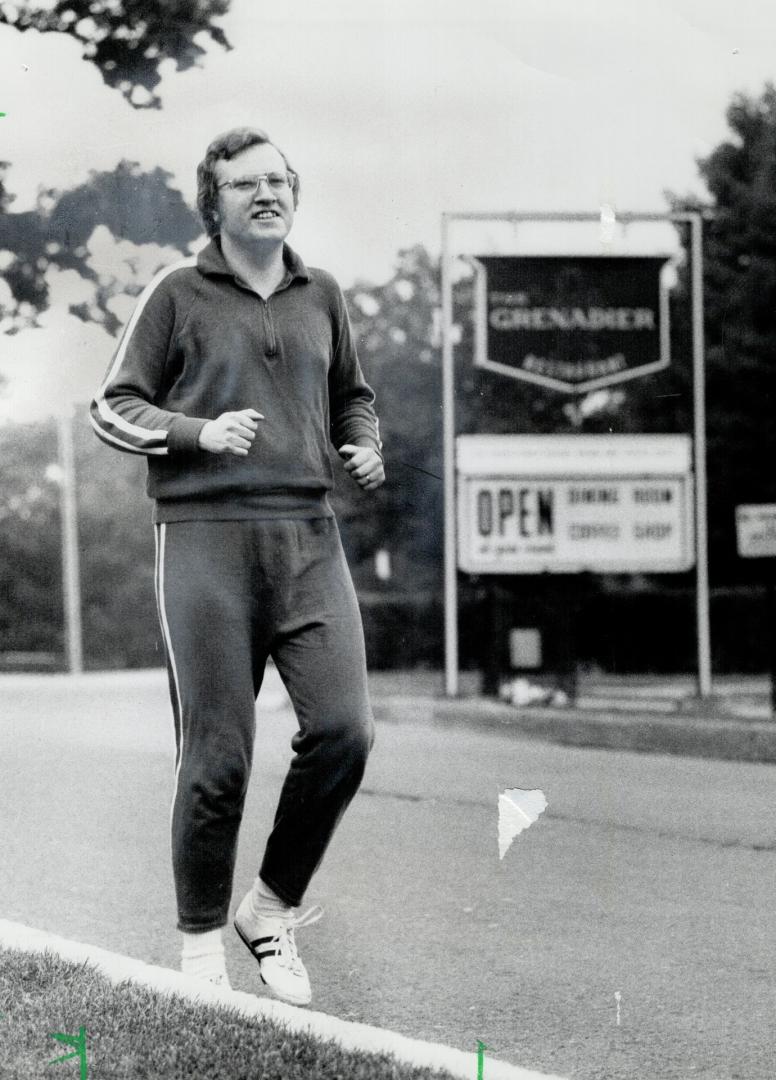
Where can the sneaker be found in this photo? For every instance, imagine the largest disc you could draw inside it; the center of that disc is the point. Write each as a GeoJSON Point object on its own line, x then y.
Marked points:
{"type": "Point", "coordinates": [270, 939]}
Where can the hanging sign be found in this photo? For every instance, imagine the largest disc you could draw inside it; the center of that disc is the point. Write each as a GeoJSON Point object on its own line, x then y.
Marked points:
{"type": "Point", "coordinates": [571, 323]}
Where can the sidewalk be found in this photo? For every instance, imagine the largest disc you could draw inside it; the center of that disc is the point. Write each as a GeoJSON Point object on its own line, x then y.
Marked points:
{"type": "Point", "coordinates": [657, 714]}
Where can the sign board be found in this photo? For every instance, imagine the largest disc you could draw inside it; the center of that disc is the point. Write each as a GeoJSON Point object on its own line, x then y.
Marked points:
{"type": "Point", "coordinates": [530, 504]}
{"type": "Point", "coordinates": [756, 531]}
{"type": "Point", "coordinates": [571, 323]}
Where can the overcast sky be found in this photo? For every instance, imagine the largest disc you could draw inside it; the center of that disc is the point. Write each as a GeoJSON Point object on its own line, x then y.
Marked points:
{"type": "Point", "coordinates": [395, 111]}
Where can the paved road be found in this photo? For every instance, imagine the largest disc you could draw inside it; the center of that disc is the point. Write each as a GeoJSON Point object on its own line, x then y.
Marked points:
{"type": "Point", "coordinates": [649, 875]}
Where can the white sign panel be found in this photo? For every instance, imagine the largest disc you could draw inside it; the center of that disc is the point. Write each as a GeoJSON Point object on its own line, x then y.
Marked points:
{"type": "Point", "coordinates": [564, 504]}
{"type": "Point", "coordinates": [756, 530]}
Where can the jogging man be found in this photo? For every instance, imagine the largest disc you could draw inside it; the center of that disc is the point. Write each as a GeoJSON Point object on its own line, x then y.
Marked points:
{"type": "Point", "coordinates": [235, 371]}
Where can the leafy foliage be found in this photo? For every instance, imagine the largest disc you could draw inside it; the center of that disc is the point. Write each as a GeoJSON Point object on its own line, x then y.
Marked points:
{"type": "Point", "coordinates": [393, 326]}
{"type": "Point", "coordinates": [132, 205]}
{"type": "Point", "coordinates": [5, 198]}
{"type": "Point", "coordinates": [740, 302]}
{"type": "Point", "coordinates": [30, 619]}
{"type": "Point", "coordinates": [117, 556]}
{"type": "Point", "coordinates": [141, 220]}
{"type": "Point", "coordinates": [138, 216]}
{"type": "Point", "coordinates": [127, 39]}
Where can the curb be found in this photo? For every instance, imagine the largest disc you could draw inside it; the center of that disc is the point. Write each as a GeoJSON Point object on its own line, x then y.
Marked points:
{"type": "Point", "coordinates": [349, 1035]}
{"type": "Point", "coordinates": [723, 738]}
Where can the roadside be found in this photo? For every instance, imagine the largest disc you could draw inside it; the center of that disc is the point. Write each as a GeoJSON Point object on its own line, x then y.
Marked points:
{"type": "Point", "coordinates": [657, 714]}
{"type": "Point", "coordinates": [635, 881]}
{"type": "Point", "coordinates": [129, 1007]}
{"type": "Point", "coordinates": [643, 713]}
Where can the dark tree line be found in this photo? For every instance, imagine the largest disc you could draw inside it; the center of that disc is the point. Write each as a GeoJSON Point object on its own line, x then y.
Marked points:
{"type": "Point", "coordinates": [740, 299]}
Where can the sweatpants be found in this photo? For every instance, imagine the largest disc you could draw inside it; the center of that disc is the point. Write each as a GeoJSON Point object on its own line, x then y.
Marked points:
{"type": "Point", "coordinates": [230, 595]}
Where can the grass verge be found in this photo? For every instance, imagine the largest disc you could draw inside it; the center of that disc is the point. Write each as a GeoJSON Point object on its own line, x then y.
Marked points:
{"type": "Point", "coordinates": [133, 1033]}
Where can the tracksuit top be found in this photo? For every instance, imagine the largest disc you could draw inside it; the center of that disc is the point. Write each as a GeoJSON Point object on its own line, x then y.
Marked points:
{"type": "Point", "coordinates": [200, 343]}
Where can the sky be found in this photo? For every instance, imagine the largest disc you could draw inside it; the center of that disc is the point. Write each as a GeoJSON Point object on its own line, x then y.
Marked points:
{"type": "Point", "coordinates": [393, 112]}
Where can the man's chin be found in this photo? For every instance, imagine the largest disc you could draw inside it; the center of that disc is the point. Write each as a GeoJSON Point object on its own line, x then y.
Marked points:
{"type": "Point", "coordinates": [269, 227]}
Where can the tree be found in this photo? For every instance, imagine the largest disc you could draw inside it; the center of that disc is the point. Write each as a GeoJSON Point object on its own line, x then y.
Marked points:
{"type": "Point", "coordinates": [127, 39]}
{"type": "Point", "coordinates": [30, 579]}
{"type": "Point", "coordinates": [393, 324]}
{"type": "Point", "coordinates": [393, 327]}
{"type": "Point", "coordinates": [84, 255]}
{"type": "Point", "coordinates": [134, 206]}
{"type": "Point", "coordinates": [740, 318]}
{"type": "Point", "coordinates": [117, 556]}
{"type": "Point", "coordinates": [109, 236]}
{"type": "Point", "coordinates": [116, 550]}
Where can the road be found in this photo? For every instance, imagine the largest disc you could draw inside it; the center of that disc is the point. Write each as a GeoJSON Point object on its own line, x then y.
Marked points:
{"type": "Point", "coordinates": [649, 876]}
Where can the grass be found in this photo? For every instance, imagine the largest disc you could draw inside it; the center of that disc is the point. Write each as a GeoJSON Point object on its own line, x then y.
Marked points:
{"type": "Point", "coordinates": [134, 1033]}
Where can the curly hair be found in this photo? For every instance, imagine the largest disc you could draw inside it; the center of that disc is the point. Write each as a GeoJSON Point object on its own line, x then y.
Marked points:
{"type": "Point", "coordinates": [223, 148]}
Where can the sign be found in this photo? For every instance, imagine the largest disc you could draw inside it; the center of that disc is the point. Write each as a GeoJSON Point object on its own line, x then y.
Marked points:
{"type": "Point", "coordinates": [530, 504]}
{"type": "Point", "coordinates": [756, 531]}
{"type": "Point", "coordinates": [571, 323]}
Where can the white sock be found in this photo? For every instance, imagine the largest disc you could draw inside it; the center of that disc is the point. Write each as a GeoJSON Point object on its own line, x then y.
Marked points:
{"type": "Point", "coordinates": [203, 955]}
{"type": "Point", "coordinates": [265, 902]}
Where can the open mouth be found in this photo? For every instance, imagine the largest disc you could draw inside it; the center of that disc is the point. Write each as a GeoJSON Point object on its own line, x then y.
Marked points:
{"type": "Point", "coordinates": [265, 215]}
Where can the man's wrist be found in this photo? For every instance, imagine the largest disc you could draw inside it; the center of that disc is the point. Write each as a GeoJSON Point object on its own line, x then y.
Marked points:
{"type": "Point", "coordinates": [368, 443]}
{"type": "Point", "coordinates": [183, 436]}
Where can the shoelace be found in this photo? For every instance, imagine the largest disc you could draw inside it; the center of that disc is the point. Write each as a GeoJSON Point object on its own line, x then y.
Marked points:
{"type": "Point", "coordinates": [284, 939]}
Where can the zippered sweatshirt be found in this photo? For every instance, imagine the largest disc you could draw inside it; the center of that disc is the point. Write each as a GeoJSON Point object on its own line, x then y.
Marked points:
{"type": "Point", "coordinates": [201, 343]}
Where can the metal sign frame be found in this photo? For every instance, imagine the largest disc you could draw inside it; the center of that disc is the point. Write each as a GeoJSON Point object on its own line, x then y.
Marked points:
{"type": "Point", "coordinates": [695, 221]}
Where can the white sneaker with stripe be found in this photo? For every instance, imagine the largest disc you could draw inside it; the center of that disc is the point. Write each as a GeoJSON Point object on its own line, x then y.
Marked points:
{"type": "Point", "coordinates": [270, 940]}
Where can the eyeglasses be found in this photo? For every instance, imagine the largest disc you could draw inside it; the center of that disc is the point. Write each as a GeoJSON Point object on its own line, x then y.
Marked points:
{"type": "Point", "coordinates": [249, 185]}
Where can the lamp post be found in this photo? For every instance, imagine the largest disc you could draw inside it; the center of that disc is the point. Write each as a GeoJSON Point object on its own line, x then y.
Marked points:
{"type": "Point", "coordinates": [71, 579]}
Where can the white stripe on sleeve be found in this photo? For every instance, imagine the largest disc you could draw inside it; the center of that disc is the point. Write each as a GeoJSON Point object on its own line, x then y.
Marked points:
{"type": "Point", "coordinates": [108, 414]}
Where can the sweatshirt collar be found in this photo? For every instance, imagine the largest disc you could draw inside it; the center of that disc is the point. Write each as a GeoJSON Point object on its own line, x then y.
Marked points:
{"type": "Point", "coordinates": [211, 261]}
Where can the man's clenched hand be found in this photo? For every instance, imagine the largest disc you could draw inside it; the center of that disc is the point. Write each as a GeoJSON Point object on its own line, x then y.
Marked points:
{"type": "Point", "coordinates": [231, 432]}
{"type": "Point", "coordinates": [364, 464]}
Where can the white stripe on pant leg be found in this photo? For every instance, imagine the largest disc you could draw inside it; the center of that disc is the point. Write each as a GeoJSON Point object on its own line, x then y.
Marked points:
{"type": "Point", "coordinates": [161, 537]}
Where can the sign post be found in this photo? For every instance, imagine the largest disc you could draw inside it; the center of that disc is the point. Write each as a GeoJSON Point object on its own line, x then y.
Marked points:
{"type": "Point", "coordinates": [632, 321]}
{"type": "Point", "coordinates": [702, 615]}
{"type": "Point", "coordinates": [448, 439]}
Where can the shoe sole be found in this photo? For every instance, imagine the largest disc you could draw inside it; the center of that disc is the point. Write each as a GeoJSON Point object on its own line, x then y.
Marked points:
{"type": "Point", "coordinates": [280, 997]}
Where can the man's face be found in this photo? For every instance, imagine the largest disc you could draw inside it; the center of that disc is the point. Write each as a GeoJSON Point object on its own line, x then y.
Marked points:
{"type": "Point", "coordinates": [262, 216]}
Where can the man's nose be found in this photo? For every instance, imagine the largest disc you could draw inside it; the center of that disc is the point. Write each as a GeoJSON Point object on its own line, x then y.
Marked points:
{"type": "Point", "coordinates": [263, 190]}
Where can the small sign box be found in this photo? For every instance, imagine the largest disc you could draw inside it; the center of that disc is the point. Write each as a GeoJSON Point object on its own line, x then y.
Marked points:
{"type": "Point", "coordinates": [530, 504]}
{"type": "Point", "coordinates": [756, 531]}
